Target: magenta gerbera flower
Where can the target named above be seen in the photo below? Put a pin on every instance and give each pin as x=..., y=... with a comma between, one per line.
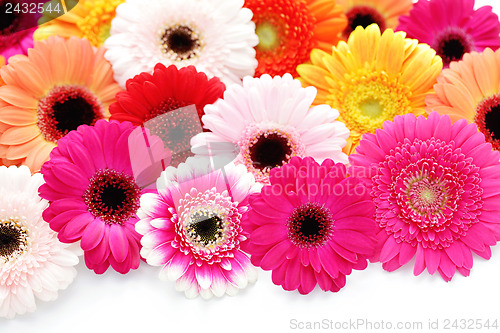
x=192, y=227
x=311, y=225
x=452, y=27
x=436, y=188
x=94, y=196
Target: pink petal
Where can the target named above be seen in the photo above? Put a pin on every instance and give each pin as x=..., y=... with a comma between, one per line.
x=118, y=243
x=203, y=275
x=292, y=276
x=432, y=259
x=406, y=252
x=307, y=280
x=419, y=261
x=390, y=249
x=276, y=255
x=93, y=235
x=161, y=254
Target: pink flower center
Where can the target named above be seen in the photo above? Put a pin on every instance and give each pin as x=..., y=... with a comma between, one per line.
x=363, y=16
x=13, y=239
x=451, y=44
x=264, y=149
x=310, y=225
x=208, y=225
x=487, y=119
x=180, y=42
x=112, y=196
x=429, y=193
x=65, y=108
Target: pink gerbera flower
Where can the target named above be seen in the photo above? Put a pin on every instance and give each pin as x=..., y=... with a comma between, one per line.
x=311, y=225
x=452, y=27
x=192, y=228
x=436, y=188
x=16, y=28
x=94, y=196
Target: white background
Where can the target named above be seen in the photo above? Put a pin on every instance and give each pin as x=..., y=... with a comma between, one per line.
x=140, y=302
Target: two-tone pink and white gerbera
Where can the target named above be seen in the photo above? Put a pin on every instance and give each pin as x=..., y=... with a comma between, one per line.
x=94, y=195
x=436, y=188
x=192, y=227
x=34, y=264
x=311, y=226
x=271, y=120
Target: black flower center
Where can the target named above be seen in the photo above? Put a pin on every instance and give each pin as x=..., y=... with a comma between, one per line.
x=270, y=150
x=205, y=227
x=65, y=108
x=451, y=45
x=487, y=119
x=310, y=225
x=363, y=16
x=7, y=20
x=112, y=196
x=182, y=41
x=12, y=239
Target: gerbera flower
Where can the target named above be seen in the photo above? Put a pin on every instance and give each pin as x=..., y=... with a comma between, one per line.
x=94, y=196
x=384, y=13
x=192, y=227
x=150, y=95
x=289, y=29
x=372, y=78
x=90, y=19
x=60, y=85
x=436, y=191
x=470, y=89
x=311, y=225
x=33, y=263
x=16, y=28
x=271, y=120
x=452, y=27
x=215, y=36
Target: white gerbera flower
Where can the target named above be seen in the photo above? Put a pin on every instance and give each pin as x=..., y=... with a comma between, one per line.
x=215, y=36
x=270, y=120
x=33, y=263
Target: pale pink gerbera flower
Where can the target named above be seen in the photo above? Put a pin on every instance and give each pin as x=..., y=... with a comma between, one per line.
x=436, y=188
x=271, y=120
x=94, y=194
x=192, y=228
x=311, y=226
x=33, y=263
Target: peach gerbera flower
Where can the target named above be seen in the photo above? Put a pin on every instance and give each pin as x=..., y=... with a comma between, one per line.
x=90, y=19
x=470, y=89
x=372, y=78
x=59, y=86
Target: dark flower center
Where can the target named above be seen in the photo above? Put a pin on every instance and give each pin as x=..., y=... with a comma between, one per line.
x=487, y=120
x=270, y=150
x=65, y=108
x=452, y=44
x=205, y=227
x=363, y=16
x=180, y=41
x=112, y=196
x=7, y=20
x=310, y=225
x=13, y=239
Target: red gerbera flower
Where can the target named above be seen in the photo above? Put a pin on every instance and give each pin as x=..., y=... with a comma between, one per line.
x=150, y=95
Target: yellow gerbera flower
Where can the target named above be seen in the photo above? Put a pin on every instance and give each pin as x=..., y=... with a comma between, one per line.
x=90, y=19
x=372, y=78
x=385, y=13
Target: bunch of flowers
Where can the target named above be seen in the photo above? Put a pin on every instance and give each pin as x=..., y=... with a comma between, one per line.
x=212, y=138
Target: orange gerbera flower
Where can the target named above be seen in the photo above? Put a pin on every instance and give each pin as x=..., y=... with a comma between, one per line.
x=470, y=89
x=385, y=13
x=372, y=78
x=289, y=29
x=59, y=86
x=89, y=19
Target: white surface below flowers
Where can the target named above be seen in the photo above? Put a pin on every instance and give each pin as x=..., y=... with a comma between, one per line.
x=140, y=302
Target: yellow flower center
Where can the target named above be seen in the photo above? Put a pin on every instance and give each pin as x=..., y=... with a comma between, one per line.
x=268, y=36
x=96, y=25
x=367, y=99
